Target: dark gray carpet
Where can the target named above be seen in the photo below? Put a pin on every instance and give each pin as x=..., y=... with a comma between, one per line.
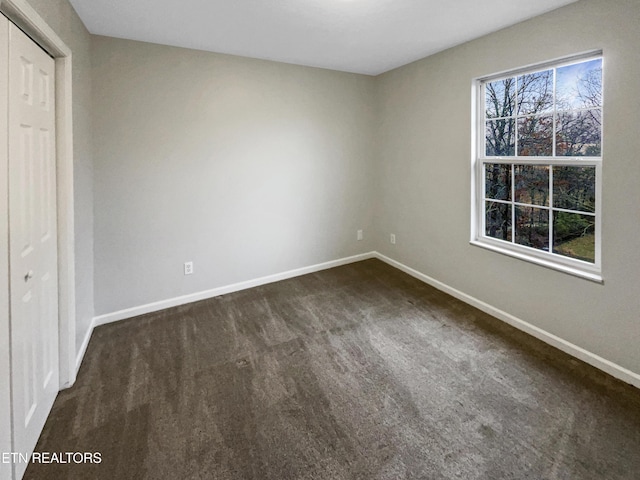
x=359, y=372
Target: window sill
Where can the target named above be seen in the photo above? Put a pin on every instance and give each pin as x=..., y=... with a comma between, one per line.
x=575, y=271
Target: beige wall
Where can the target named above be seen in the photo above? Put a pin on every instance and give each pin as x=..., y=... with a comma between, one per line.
x=424, y=171
x=245, y=167
x=62, y=18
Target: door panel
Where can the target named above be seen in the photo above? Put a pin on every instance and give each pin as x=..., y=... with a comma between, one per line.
x=5, y=371
x=32, y=240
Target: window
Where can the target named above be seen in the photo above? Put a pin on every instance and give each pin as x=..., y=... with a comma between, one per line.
x=538, y=165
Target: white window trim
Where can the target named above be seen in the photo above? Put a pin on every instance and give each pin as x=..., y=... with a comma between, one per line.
x=579, y=268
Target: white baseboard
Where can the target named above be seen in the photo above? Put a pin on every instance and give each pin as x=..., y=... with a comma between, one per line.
x=235, y=287
x=603, y=364
x=580, y=353
x=85, y=344
x=194, y=297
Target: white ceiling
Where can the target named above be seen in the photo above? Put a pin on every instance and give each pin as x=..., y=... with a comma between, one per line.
x=362, y=36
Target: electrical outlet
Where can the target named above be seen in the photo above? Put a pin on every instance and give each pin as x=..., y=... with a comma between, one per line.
x=360, y=235
x=392, y=238
x=188, y=268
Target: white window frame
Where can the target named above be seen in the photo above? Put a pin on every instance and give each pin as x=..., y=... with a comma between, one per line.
x=580, y=268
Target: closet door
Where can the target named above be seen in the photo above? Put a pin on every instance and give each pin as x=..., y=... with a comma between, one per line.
x=5, y=372
x=32, y=240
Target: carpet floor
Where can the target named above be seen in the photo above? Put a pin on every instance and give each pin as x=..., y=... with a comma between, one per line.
x=358, y=372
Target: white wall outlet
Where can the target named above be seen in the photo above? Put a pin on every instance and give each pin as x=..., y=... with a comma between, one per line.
x=188, y=268
x=359, y=235
x=392, y=238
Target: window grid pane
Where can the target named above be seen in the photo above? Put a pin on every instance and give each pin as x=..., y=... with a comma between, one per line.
x=555, y=111
x=529, y=206
x=574, y=235
x=532, y=227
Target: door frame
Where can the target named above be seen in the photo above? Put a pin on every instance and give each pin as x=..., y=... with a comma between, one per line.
x=25, y=17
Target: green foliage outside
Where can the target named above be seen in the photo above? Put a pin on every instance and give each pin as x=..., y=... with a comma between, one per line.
x=571, y=225
x=582, y=248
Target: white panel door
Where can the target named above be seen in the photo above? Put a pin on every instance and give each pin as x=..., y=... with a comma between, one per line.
x=32, y=240
x=5, y=370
